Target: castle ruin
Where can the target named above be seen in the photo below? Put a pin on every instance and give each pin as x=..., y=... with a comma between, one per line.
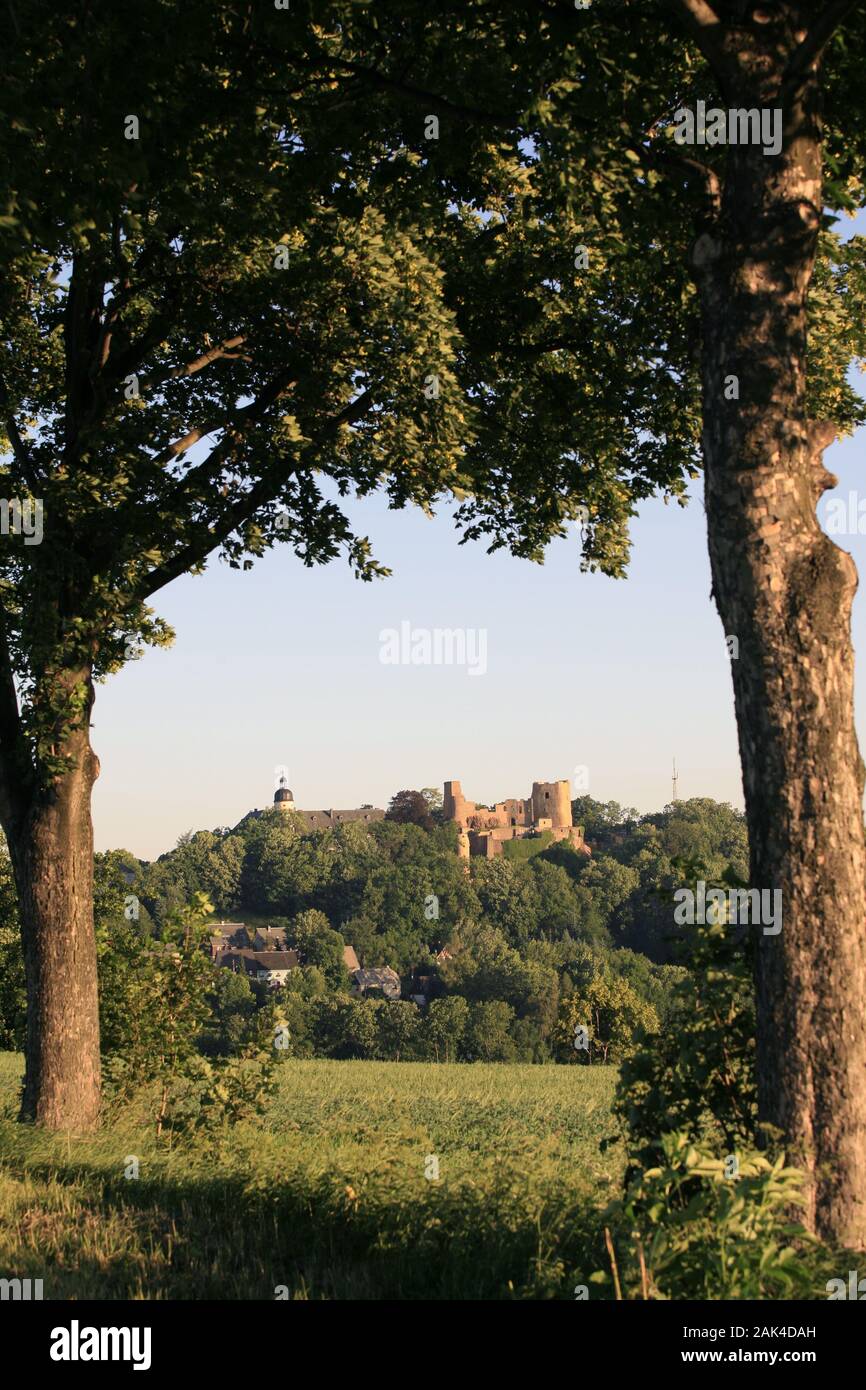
x=483, y=830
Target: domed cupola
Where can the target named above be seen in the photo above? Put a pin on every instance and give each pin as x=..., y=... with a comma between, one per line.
x=283, y=798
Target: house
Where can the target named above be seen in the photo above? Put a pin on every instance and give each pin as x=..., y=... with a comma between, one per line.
x=263, y=954
x=226, y=936
x=274, y=967
x=382, y=978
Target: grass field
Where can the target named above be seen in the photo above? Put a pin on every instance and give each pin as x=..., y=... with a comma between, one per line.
x=330, y=1198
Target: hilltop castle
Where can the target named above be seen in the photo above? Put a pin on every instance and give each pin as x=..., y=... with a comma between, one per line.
x=484, y=829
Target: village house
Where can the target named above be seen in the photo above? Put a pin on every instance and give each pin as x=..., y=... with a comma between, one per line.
x=382, y=979
x=262, y=953
x=273, y=967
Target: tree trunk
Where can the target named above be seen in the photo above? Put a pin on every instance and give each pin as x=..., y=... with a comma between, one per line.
x=52, y=855
x=785, y=591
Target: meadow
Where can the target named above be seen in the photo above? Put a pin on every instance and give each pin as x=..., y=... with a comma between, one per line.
x=335, y=1195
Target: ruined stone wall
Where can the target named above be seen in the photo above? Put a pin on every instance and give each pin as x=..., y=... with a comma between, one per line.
x=547, y=808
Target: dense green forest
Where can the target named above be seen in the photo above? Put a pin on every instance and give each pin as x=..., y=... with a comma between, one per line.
x=512, y=956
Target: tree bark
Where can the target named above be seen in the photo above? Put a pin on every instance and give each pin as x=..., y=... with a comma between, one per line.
x=51, y=848
x=785, y=590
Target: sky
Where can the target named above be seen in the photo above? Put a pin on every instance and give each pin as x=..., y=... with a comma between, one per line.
x=597, y=680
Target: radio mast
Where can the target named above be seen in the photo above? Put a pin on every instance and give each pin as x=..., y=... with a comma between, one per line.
x=675, y=780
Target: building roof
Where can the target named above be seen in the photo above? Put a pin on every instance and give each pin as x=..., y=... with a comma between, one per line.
x=283, y=794
x=326, y=820
x=275, y=960
x=350, y=959
x=251, y=961
x=381, y=977
x=271, y=936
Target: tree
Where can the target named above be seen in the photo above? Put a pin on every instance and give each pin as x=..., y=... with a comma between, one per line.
x=232, y=1004
x=410, y=808
x=487, y=1033
x=221, y=300
x=508, y=893
x=399, y=1025
x=696, y=1073
x=599, y=1022
x=223, y=873
x=558, y=907
x=643, y=271
x=609, y=884
x=319, y=945
x=155, y=1002
x=444, y=1025
x=345, y=1027
x=604, y=822
x=543, y=256
x=282, y=866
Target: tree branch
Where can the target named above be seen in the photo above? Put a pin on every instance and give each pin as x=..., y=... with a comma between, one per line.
x=19, y=447
x=234, y=424
x=240, y=511
x=816, y=40
x=382, y=82
x=669, y=159
x=22, y=456
x=222, y=350
x=82, y=331
x=705, y=27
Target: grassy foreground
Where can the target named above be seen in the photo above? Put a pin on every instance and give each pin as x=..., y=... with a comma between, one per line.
x=330, y=1198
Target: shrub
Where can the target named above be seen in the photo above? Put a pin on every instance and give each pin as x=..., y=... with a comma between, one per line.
x=704, y=1227
x=696, y=1075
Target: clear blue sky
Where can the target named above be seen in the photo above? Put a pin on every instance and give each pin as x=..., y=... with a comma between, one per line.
x=281, y=665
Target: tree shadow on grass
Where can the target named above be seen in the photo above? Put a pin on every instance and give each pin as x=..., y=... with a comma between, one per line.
x=88, y=1235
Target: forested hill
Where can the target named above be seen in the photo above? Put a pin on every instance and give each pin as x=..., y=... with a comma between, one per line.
x=398, y=892
x=522, y=933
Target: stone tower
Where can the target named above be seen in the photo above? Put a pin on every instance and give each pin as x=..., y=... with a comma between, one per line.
x=454, y=802
x=552, y=801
